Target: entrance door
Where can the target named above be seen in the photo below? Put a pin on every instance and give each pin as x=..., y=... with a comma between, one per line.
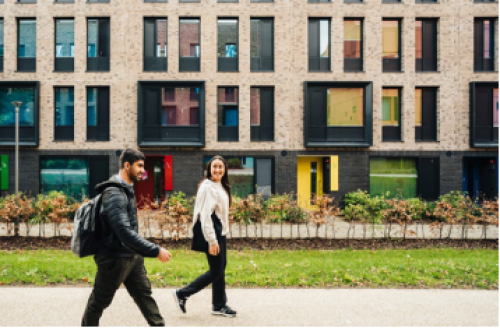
x=309, y=180
x=480, y=177
x=151, y=189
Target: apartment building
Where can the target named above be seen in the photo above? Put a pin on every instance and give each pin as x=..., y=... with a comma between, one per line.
x=300, y=96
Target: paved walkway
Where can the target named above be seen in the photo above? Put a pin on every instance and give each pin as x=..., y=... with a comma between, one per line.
x=59, y=306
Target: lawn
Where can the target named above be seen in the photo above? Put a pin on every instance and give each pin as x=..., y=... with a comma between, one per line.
x=426, y=268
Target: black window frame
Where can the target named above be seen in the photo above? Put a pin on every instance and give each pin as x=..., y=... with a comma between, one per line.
x=228, y=64
x=25, y=1
x=316, y=63
x=63, y=133
x=25, y=64
x=228, y=133
x=482, y=64
x=153, y=63
x=7, y=134
x=355, y=64
x=319, y=1
x=259, y=64
x=366, y=139
x=392, y=1
x=101, y=132
x=393, y=64
x=97, y=1
x=354, y=1
x=190, y=64
x=392, y=133
x=427, y=1
x=429, y=60
x=64, y=1
x=63, y=64
x=196, y=136
x=428, y=131
x=3, y=42
x=473, y=128
x=100, y=63
x=485, y=1
x=264, y=132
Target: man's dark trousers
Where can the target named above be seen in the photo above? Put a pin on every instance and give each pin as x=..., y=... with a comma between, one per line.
x=111, y=273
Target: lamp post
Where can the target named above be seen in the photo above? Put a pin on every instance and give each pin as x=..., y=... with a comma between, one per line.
x=17, y=104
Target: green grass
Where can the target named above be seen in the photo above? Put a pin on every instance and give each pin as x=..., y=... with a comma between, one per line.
x=439, y=268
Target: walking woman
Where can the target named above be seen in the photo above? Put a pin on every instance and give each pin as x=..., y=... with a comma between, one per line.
x=211, y=213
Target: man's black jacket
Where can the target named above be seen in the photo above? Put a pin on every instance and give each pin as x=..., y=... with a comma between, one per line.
x=118, y=216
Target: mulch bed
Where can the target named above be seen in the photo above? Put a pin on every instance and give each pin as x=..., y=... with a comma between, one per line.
x=64, y=243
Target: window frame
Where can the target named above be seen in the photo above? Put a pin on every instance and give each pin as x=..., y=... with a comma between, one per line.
x=474, y=143
x=256, y=130
x=352, y=65
x=231, y=133
x=67, y=134
x=228, y=64
x=310, y=44
x=160, y=64
x=94, y=134
x=25, y=64
x=480, y=63
x=189, y=64
x=2, y=22
x=252, y=59
x=99, y=63
x=423, y=65
x=393, y=64
x=391, y=130
x=427, y=123
x=63, y=64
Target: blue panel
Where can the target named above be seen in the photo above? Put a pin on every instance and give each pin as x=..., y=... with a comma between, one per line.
x=231, y=117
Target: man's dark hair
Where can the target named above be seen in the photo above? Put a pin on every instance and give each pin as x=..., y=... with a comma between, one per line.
x=130, y=155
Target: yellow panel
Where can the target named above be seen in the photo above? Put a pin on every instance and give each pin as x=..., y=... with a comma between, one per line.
x=334, y=173
x=304, y=180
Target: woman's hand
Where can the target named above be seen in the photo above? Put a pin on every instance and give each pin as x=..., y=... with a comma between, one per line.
x=214, y=249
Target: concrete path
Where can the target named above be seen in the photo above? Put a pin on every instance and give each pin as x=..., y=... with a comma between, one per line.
x=59, y=306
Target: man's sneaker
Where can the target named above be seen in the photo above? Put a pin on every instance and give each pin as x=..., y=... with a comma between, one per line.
x=224, y=311
x=181, y=302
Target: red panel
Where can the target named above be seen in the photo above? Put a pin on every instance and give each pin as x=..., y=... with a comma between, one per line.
x=168, y=173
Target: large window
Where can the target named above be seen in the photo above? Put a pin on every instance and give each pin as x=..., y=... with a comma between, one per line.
x=98, y=114
x=261, y=44
x=171, y=113
x=391, y=45
x=248, y=175
x=484, y=44
x=227, y=44
x=1, y=44
x=262, y=114
x=64, y=114
x=74, y=176
x=98, y=41
x=227, y=114
x=426, y=114
x=393, y=177
x=155, y=44
x=65, y=45
x=319, y=44
x=391, y=114
x=426, y=45
x=189, y=45
x=338, y=114
x=484, y=114
x=26, y=45
x=353, y=45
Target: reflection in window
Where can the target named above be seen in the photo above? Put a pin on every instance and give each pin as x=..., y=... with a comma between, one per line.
x=92, y=38
x=393, y=177
x=488, y=40
x=65, y=38
x=26, y=111
x=92, y=106
x=228, y=38
x=390, y=107
x=418, y=107
x=345, y=107
x=161, y=34
x=1, y=38
x=418, y=39
x=27, y=38
x=324, y=38
x=255, y=106
x=390, y=39
x=352, y=39
x=71, y=176
x=189, y=38
x=495, y=107
x=64, y=111
x=228, y=106
x=180, y=106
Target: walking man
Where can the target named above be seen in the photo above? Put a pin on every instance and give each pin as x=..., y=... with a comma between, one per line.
x=121, y=251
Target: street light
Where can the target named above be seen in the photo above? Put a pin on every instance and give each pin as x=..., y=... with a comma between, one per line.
x=17, y=104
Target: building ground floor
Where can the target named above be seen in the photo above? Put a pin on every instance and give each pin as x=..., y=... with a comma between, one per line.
x=304, y=173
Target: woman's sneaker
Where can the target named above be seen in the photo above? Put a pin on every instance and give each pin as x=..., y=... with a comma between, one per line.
x=180, y=302
x=224, y=311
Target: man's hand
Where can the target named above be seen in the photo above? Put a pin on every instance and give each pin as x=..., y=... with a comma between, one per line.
x=164, y=255
x=214, y=249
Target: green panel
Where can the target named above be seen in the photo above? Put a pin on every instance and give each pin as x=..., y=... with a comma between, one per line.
x=4, y=172
x=393, y=177
x=396, y=109
x=386, y=108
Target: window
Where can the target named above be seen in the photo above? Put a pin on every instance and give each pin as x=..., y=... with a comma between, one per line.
x=261, y=0
x=155, y=1
x=171, y=114
x=227, y=45
x=261, y=114
x=426, y=45
x=484, y=114
x=426, y=1
x=26, y=51
x=75, y=176
x=248, y=175
x=319, y=44
x=353, y=1
x=392, y=1
x=64, y=113
x=353, y=45
x=98, y=114
x=65, y=45
x=425, y=114
x=64, y=1
x=320, y=1
x=391, y=45
x=186, y=1
x=155, y=44
x=26, y=1
x=485, y=1
x=261, y=44
x=227, y=114
x=396, y=176
x=338, y=114
x=1, y=44
x=189, y=47
x=27, y=93
x=98, y=1
x=484, y=44
x=391, y=114
x=98, y=30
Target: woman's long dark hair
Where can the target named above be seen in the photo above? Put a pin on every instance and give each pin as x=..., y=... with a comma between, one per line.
x=225, y=177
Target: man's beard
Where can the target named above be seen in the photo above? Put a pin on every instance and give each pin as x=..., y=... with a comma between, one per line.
x=134, y=178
